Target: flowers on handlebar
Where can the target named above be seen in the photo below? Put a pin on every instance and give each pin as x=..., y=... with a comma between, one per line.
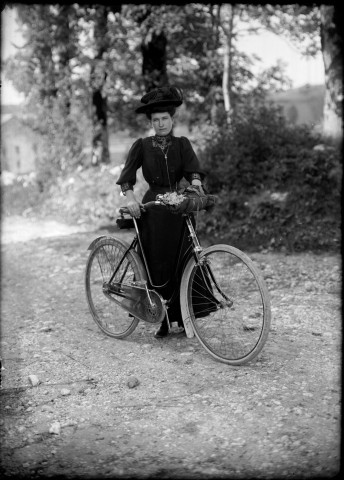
x=191, y=200
x=171, y=198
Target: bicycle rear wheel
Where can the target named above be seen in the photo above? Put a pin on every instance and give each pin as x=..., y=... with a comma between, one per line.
x=228, y=304
x=110, y=317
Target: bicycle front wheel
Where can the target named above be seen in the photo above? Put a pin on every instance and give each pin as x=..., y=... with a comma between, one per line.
x=228, y=304
x=110, y=317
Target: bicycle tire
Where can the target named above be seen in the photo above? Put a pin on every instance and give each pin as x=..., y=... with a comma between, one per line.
x=110, y=317
x=234, y=322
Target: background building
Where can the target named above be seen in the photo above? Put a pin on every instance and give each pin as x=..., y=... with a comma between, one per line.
x=20, y=145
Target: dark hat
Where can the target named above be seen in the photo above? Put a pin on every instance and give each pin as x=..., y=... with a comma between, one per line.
x=161, y=97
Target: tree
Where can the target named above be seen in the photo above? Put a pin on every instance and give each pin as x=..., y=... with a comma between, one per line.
x=312, y=28
x=194, y=60
x=115, y=53
x=332, y=48
x=208, y=63
x=36, y=57
x=154, y=71
x=100, y=142
x=65, y=50
x=153, y=43
x=42, y=69
x=227, y=25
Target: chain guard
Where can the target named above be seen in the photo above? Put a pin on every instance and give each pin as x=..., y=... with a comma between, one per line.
x=135, y=300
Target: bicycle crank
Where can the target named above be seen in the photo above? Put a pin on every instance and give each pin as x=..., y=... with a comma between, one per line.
x=138, y=300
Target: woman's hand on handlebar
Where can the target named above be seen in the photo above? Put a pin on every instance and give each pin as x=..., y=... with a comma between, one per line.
x=135, y=208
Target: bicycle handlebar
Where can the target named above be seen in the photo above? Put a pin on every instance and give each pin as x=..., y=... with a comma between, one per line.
x=143, y=207
x=196, y=204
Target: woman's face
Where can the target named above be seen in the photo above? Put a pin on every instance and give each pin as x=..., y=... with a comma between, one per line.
x=162, y=123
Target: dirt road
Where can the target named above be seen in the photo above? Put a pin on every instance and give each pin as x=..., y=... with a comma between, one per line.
x=189, y=416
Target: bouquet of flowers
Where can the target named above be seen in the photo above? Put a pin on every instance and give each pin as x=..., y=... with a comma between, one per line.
x=188, y=200
x=172, y=198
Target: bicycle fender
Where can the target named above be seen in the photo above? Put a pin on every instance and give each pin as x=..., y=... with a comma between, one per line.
x=92, y=244
x=190, y=262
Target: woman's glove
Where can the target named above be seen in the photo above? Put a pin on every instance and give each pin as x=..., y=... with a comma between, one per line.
x=195, y=199
x=198, y=189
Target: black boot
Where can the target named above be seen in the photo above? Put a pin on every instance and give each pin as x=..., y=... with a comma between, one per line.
x=163, y=330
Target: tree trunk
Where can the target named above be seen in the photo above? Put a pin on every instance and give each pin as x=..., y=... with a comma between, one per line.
x=332, y=49
x=154, y=63
x=47, y=87
x=65, y=50
x=227, y=79
x=100, y=139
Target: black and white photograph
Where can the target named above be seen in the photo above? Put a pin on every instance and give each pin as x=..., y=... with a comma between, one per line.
x=171, y=270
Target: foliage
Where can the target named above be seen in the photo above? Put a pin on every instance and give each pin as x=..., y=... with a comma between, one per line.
x=268, y=176
x=86, y=194
x=299, y=24
x=20, y=196
x=49, y=65
x=278, y=184
x=63, y=137
x=43, y=70
x=282, y=190
x=63, y=147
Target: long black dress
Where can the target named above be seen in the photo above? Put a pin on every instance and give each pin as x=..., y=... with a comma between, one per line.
x=163, y=234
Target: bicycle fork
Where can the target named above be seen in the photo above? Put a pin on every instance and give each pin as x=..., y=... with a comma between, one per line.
x=196, y=245
x=201, y=261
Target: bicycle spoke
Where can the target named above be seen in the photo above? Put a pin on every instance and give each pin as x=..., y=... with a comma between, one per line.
x=228, y=305
x=107, y=255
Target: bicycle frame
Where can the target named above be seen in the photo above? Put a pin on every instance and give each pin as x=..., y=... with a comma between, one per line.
x=194, y=249
x=197, y=249
x=221, y=291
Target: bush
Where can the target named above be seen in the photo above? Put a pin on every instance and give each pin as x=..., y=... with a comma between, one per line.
x=20, y=196
x=64, y=133
x=278, y=184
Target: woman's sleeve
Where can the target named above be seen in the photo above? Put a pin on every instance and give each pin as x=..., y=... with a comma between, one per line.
x=127, y=178
x=191, y=165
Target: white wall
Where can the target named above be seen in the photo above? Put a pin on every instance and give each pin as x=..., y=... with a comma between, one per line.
x=19, y=147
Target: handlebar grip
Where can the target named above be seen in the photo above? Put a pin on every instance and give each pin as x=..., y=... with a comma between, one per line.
x=124, y=210
x=143, y=207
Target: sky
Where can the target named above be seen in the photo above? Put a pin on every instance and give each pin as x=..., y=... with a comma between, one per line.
x=268, y=46
x=9, y=34
x=271, y=48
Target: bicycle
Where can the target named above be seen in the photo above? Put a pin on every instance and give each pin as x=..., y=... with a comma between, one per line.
x=223, y=297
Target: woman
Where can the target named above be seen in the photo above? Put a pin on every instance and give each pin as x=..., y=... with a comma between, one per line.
x=165, y=160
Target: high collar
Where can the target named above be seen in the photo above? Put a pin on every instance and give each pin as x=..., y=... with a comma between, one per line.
x=162, y=141
x=161, y=137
